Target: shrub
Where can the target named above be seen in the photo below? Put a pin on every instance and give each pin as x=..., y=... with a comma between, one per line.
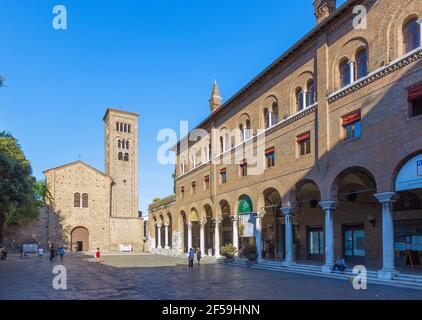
x=250, y=252
x=228, y=251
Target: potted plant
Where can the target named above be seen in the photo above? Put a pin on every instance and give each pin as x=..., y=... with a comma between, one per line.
x=250, y=253
x=228, y=251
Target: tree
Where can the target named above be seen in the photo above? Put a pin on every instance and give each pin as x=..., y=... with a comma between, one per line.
x=155, y=200
x=17, y=192
x=174, y=181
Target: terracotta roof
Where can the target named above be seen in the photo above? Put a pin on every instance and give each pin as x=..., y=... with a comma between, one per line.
x=75, y=163
x=121, y=112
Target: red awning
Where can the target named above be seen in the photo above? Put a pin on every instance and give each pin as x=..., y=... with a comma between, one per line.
x=303, y=137
x=415, y=92
x=269, y=151
x=351, y=117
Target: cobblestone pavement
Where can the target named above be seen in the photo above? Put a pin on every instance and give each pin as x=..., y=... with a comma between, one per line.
x=154, y=277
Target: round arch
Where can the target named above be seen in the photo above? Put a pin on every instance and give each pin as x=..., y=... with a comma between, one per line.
x=79, y=239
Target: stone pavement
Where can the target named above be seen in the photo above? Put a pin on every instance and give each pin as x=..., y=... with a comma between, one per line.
x=161, y=278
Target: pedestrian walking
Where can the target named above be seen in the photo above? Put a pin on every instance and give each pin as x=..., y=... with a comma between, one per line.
x=61, y=253
x=199, y=256
x=40, y=253
x=191, y=257
x=98, y=256
x=52, y=253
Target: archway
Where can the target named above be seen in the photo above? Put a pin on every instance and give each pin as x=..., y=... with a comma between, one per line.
x=196, y=228
x=408, y=212
x=356, y=217
x=80, y=239
x=308, y=223
x=246, y=226
x=184, y=222
x=226, y=224
x=209, y=229
x=170, y=229
x=272, y=231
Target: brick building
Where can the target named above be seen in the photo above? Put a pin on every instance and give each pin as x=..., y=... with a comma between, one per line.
x=319, y=156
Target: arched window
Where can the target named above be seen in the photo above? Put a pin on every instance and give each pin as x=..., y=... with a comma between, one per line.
x=120, y=155
x=85, y=200
x=125, y=129
x=119, y=143
x=117, y=126
x=311, y=93
x=361, y=63
x=248, y=130
x=77, y=200
x=221, y=145
x=127, y=145
x=412, y=35
x=126, y=157
x=242, y=132
x=344, y=73
x=266, y=118
x=299, y=99
x=128, y=128
x=121, y=127
x=275, y=113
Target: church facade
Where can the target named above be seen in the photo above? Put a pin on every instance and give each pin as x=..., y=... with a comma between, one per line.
x=94, y=209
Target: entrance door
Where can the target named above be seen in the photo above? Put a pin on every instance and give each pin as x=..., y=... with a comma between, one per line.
x=79, y=246
x=316, y=244
x=80, y=239
x=354, y=244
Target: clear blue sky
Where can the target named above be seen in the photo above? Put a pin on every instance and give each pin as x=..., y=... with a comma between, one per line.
x=156, y=57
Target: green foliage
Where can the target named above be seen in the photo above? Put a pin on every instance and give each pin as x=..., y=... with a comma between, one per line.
x=174, y=181
x=228, y=251
x=250, y=252
x=155, y=200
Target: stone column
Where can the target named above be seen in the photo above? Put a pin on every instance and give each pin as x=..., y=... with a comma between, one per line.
x=166, y=235
x=235, y=232
x=258, y=233
x=270, y=119
x=217, y=237
x=352, y=71
x=288, y=235
x=279, y=239
x=388, y=267
x=159, y=236
x=202, y=237
x=305, y=99
x=420, y=26
x=328, y=207
x=189, y=235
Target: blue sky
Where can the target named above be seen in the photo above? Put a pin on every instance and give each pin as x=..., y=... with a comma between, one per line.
x=157, y=57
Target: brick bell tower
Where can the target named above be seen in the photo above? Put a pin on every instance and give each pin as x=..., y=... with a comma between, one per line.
x=121, y=161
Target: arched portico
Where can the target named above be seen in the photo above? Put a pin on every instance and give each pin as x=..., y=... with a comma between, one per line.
x=79, y=239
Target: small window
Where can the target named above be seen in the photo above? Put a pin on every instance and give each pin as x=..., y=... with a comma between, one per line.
x=117, y=126
x=77, y=200
x=127, y=145
x=85, y=200
x=182, y=191
x=128, y=128
x=411, y=35
x=207, y=183
x=311, y=93
x=243, y=168
x=119, y=143
x=223, y=176
x=121, y=127
x=304, y=142
x=193, y=187
x=125, y=129
x=415, y=100
x=270, y=157
x=352, y=125
x=361, y=63
x=126, y=158
x=120, y=156
x=345, y=73
x=299, y=99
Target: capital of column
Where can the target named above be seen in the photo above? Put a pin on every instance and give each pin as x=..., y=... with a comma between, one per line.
x=328, y=205
x=218, y=220
x=202, y=222
x=189, y=224
x=386, y=197
x=235, y=217
x=351, y=62
x=287, y=211
x=166, y=225
x=159, y=225
x=419, y=21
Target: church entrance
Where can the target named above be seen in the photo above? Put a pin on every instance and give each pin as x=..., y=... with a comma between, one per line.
x=79, y=239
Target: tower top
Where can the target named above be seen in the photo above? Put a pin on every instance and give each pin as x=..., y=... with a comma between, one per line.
x=215, y=100
x=110, y=110
x=323, y=9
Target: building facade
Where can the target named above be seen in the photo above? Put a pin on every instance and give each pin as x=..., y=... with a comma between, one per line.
x=96, y=209
x=320, y=155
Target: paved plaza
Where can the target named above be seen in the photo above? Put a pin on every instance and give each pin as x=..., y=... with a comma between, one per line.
x=147, y=277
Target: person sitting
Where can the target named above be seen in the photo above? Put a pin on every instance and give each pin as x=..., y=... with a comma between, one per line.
x=340, y=265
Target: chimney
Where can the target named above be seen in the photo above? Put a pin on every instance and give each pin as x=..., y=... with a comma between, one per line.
x=323, y=9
